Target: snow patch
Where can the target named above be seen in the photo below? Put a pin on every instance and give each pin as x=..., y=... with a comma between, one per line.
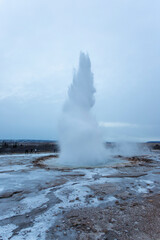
x=34, y=202
x=6, y=231
x=141, y=190
x=111, y=199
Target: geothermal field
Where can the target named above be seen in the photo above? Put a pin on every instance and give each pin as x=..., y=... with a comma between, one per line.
x=81, y=187
x=42, y=201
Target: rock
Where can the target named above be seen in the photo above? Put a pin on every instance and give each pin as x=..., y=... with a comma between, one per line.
x=44, y=206
x=136, y=223
x=90, y=196
x=123, y=198
x=134, y=204
x=122, y=208
x=101, y=198
x=111, y=235
x=112, y=220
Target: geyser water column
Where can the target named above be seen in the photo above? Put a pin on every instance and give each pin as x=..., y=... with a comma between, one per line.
x=81, y=143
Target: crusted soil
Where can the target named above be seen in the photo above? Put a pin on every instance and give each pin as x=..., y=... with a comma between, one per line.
x=116, y=203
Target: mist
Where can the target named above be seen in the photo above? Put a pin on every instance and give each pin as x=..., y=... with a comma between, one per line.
x=80, y=137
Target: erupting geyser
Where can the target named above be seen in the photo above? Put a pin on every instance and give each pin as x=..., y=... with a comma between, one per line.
x=80, y=138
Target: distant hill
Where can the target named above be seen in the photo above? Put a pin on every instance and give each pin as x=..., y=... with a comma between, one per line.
x=28, y=146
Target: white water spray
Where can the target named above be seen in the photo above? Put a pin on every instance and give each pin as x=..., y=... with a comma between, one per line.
x=81, y=143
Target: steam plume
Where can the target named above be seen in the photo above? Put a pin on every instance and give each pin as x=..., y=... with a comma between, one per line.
x=80, y=138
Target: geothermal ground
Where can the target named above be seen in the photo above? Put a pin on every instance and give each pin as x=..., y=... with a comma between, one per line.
x=120, y=202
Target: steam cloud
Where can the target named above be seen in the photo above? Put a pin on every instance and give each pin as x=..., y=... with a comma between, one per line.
x=80, y=138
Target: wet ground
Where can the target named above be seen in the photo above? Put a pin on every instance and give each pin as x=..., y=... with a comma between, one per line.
x=119, y=202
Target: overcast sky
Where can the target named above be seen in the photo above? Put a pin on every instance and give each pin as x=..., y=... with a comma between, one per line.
x=40, y=42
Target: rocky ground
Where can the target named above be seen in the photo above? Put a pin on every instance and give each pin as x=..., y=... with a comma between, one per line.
x=119, y=202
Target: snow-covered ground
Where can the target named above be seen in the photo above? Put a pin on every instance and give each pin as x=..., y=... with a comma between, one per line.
x=32, y=199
